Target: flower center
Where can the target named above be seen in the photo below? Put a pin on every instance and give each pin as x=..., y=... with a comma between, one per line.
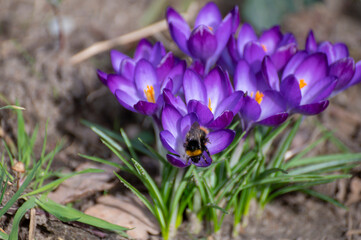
x=264, y=47
x=149, y=94
x=210, y=28
x=302, y=83
x=209, y=104
x=259, y=96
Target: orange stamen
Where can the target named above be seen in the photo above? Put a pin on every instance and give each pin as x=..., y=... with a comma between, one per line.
x=149, y=94
x=264, y=47
x=302, y=83
x=210, y=28
x=209, y=104
x=259, y=97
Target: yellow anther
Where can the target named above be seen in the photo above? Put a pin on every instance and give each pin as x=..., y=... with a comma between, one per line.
x=259, y=97
x=210, y=28
x=149, y=94
x=302, y=83
x=209, y=104
x=264, y=47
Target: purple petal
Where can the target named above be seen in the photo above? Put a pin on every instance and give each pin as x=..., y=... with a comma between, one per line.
x=311, y=44
x=272, y=103
x=203, y=113
x=270, y=74
x=209, y=16
x=283, y=54
x=233, y=103
x=293, y=63
x=204, y=162
x=126, y=100
x=165, y=66
x=219, y=140
x=177, y=161
x=320, y=91
x=250, y=109
x=244, y=78
x=116, y=58
x=343, y=69
x=193, y=87
x=198, y=67
x=170, y=118
x=270, y=39
x=179, y=29
x=290, y=90
x=176, y=74
x=177, y=102
x=274, y=120
x=312, y=109
x=127, y=67
x=144, y=76
x=340, y=51
x=222, y=121
x=202, y=43
x=143, y=50
x=102, y=76
x=254, y=54
x=312, y=69
x=157, y=53
x=223, y=33
x=146, y=108
x=236, y=19
x=246, y=34
x=118, y=82
x=168, y=141
x=218, y=86
x=356, y=77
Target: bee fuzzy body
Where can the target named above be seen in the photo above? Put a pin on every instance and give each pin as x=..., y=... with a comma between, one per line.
x=195, y=143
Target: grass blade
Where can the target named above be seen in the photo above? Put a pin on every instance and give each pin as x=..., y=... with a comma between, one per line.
x=67, y=214
x=19, y=215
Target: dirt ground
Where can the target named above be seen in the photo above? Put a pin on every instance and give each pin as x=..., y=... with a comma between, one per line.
x=35, y=70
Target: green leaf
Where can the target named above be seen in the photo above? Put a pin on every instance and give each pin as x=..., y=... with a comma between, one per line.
x=155, y=153
x=106, y=162
x=4, y=236
x=269, y=172
x=13, y=107
x=212, y=205
x=324, y=197
x=19, y=215
x=322, y=159
x=67, y=214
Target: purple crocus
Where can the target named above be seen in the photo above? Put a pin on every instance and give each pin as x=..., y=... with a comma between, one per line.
x=125, y=65
x=212, y=99
x=306, y=84
x=138, y=82
x=253, y=49
x=209, y=36
x=340, y=64
x=176, y=138
x=262, y=103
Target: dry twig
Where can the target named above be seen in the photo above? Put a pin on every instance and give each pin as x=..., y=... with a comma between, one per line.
x=134, y=36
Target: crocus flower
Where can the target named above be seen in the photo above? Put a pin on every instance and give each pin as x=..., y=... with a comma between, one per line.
x=262, y=103
x=340, y=64
x=209, y=36
x=142, y=93
x=306, y=84
x=125, y=65
x=212, y=99
x=253, y=49
x=174, y=138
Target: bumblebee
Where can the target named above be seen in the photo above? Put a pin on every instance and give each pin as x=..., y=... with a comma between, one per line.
x=195, y=143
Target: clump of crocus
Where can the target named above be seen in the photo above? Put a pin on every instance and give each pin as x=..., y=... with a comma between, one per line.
x=194, y=105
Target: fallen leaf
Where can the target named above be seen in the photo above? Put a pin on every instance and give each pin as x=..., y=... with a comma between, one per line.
x=127, y=212
x=83, y=185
